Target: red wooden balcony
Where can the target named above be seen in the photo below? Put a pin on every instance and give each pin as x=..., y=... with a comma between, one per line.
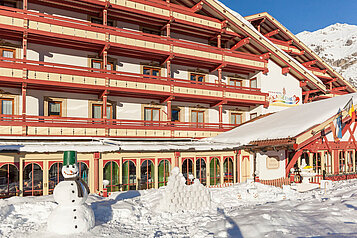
x=17, y=125
x=67, y=78
x=64, y=32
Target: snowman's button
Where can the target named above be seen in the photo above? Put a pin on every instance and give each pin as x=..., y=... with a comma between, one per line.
x=73, y=201
x=75, y=217
x=74, y=210
x=72, y=184
x=72, y=191
x=75, y=226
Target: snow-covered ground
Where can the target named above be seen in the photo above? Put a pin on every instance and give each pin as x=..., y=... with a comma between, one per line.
x=244, y=210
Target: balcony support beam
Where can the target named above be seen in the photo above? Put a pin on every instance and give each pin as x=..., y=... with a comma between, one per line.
x=308, y=64
x=272, y=33
x=218, y=68
x=220, y=108
x=241, y=43
x=285, y=70
x=23, y=97
x=169, y=112
x=197, y=7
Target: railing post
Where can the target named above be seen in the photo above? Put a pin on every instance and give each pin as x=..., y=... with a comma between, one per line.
x=220, y=115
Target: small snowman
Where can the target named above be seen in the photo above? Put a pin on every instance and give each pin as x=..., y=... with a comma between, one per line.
x=72, y=215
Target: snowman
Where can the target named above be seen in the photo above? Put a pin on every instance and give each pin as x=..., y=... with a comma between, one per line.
x=72, y=215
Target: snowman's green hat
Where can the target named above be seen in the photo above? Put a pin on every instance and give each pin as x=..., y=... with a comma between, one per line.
x=69, y=158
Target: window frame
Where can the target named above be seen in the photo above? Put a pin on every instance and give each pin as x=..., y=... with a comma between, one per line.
x=235, y=80
x=100, y=20
x=196, y=75
x=253, y=80
x=2, y=49
x=101, y=110
x=151, y=31
x=101, y=64
x=235, y=114
x=9, y=1
x=151, y=69
x=13, y=105
x=152, y=109
x=198, y=111
x=253, y=115
x=56, y=102
x=179, y=114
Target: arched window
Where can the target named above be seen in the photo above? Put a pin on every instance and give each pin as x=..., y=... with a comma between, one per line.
x=83, y=171
x=55, y=176
x=9, y=181
x=228, y=170
x=33, y=180
x=215, y=174
x=187, y=170
x=147, y=172
x=201, y=170
x=164, y=172
x=129, y=175
x=111, y=173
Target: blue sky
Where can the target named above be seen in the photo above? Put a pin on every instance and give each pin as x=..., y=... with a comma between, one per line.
x=300, y=15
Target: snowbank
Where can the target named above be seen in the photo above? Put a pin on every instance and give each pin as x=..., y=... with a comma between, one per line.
x=243, y=210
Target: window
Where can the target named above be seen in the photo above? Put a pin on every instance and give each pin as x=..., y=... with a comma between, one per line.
x=151, y=31
x=151, y=71
x=7, y=106
x=197, y=116
x=100, y=21
x=7, y=3
x=97, y=111
x=328, y=163
x=55, y=108
x=236, y=82
x=175, y=115
x=151, y=114
x=342, y=162
x=98, y=64
x=253, y=83
x=7, y=53
x=253, y=115
x=236, y=118
x=197, y=77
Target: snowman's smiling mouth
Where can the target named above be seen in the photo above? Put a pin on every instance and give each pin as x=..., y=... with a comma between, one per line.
x=72, y=173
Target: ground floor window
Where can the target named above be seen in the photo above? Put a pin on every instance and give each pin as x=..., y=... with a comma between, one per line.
x=342, y=162
x=215, y=172
x=129, y=175
x=111, y=174
x=350, y=161
x=228, y=170
x=201, y=170
x=33, y=180
x=9, y=180
x=316, y=161
x=328, y=163
x=147, y=171
x=187, y=170
x=54, y=176
x=164, y=172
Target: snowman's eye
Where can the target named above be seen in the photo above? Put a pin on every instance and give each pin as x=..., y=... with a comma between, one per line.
x=72, y=166
x=67, y=166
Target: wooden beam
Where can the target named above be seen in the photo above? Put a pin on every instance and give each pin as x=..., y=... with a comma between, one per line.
x=311, y=91
x=303, y=84
x=169, y=98
x=272, y=33
x=309, y=63
x=339, y=88
x=285, y=70
x=219, y=103
x=265, y=56
x=293, y=162
x=241, y=43
x=197, y=7
x=219, y=67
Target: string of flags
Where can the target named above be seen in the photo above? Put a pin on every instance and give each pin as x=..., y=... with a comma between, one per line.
x=339, y=126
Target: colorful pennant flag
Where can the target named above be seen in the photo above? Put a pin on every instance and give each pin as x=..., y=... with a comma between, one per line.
x=350, y=109
x=339, y=124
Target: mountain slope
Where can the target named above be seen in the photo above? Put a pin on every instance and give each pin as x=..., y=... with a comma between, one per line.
x=337, y=45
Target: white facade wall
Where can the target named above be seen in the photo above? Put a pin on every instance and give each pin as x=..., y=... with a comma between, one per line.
x=273, y=169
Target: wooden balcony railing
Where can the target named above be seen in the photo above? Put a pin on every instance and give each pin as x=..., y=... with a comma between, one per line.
x=18, y=125
x=44, y=73
x=40, y=24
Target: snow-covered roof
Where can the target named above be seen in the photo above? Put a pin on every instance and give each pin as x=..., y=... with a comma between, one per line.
x=285, y=124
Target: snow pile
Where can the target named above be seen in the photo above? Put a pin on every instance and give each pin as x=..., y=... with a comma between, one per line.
x=286, y=123
x=243, y=210
x=180, y=197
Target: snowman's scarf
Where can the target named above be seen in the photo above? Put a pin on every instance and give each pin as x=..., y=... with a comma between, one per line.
x=79, y=181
